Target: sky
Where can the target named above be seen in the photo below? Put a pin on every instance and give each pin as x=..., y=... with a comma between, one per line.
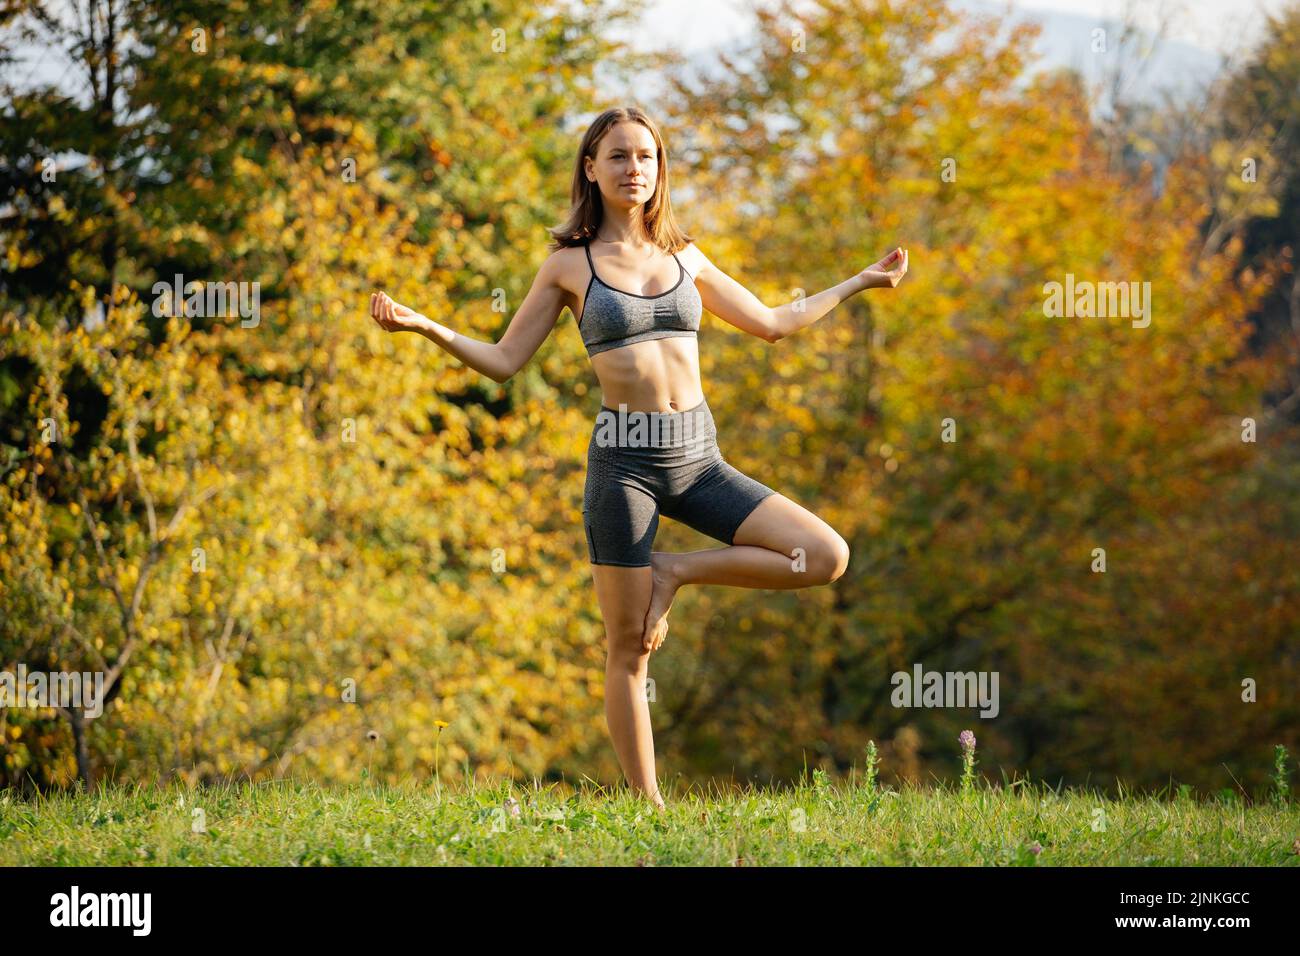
x=1209, y=24
x=1201, y=40
x=1213, y=26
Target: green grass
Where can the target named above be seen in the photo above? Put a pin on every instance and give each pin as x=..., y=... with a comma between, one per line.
x=820, y=823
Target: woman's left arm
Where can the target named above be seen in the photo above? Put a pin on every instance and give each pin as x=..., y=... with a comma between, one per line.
x=733, y=303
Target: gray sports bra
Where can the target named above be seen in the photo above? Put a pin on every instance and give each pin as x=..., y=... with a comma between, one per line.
x=612, y=318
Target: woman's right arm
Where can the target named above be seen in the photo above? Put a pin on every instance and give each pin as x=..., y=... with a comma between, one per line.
x=531, y=324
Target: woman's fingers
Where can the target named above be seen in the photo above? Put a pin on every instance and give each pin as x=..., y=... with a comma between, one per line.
x=886, y=263
x=892, y=267
x=900, y=269
x=381, y=309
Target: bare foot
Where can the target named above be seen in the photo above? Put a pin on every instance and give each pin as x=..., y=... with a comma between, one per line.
x=661, y=599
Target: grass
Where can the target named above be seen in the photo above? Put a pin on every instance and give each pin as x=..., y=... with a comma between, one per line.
x=817, y=823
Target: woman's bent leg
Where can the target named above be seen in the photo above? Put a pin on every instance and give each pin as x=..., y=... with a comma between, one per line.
x=779, y=546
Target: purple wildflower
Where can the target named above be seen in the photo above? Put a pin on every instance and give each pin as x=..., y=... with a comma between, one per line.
x=967, y=740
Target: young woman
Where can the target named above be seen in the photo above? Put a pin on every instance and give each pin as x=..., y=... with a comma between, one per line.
x=615, y=265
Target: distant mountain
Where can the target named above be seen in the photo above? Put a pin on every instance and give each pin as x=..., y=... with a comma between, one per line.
x=1177, y=68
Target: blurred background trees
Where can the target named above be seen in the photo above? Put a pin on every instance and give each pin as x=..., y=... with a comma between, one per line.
x=295, y=542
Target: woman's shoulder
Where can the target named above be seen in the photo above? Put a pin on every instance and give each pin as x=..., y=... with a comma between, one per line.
x=566, y=267
x=692, y=258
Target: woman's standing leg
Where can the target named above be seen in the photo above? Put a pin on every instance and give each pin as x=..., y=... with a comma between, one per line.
x=624, y=596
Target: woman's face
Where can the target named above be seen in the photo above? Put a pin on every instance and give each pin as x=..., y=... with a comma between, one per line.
x=626, y=165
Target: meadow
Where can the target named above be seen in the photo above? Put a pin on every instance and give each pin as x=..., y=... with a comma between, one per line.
x=815, y=823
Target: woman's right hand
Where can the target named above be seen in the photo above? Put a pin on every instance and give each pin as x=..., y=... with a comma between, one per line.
x=393, y=316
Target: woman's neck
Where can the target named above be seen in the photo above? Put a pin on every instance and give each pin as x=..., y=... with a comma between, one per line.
x=624, y=227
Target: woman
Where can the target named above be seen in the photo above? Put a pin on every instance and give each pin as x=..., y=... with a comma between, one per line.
x=615, y=265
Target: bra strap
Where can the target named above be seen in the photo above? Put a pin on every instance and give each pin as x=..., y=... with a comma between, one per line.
x=590, y=265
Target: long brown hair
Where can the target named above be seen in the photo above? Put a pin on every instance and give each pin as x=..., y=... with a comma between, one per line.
x=586, y=209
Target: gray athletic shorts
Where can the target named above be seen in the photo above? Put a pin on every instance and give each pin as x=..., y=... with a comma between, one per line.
x=644, y=464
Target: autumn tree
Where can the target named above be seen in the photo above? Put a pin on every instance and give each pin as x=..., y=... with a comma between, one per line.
x=981, y=452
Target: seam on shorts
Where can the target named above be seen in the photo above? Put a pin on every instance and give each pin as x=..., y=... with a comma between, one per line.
x=591, y=541
x=621, y=564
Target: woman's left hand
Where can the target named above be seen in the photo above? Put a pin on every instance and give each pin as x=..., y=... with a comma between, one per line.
x=886, y=273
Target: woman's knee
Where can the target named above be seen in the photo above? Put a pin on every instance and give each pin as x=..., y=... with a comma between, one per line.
x=828, y=558
x=626, y=649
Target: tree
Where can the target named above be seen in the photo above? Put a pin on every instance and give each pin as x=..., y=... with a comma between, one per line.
x=859, y=126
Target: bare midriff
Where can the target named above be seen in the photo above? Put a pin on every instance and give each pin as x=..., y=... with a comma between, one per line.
x=662, y=375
